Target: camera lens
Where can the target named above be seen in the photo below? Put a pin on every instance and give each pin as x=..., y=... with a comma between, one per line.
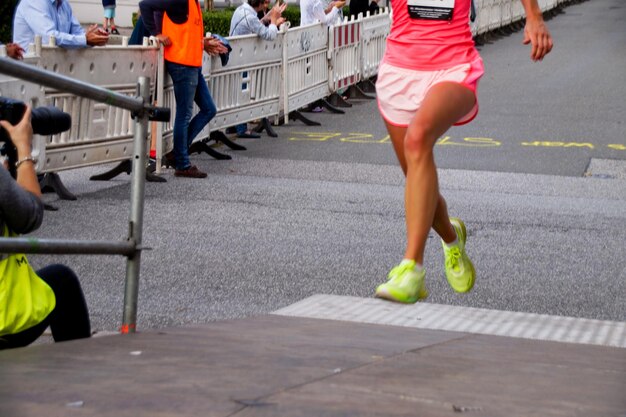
x=50, y=120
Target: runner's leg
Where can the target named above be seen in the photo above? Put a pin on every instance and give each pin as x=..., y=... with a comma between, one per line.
x=445, y=104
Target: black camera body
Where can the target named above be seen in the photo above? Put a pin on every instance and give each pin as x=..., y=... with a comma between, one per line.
x=45, y=121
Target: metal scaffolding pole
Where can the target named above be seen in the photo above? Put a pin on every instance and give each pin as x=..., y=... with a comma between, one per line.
x=142, y=112
x=131, y=292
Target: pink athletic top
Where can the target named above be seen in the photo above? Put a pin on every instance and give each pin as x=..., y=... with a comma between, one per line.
x=429, y=45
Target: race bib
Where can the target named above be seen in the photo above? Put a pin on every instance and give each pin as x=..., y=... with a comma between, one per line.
x=431, y=9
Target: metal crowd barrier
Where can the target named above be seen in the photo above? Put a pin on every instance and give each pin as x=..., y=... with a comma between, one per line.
x=374, y=33
x=100, y=132
x=345, y=49
x=246, y=89
x=131, y=247
x=306, y=67
x=249, y=87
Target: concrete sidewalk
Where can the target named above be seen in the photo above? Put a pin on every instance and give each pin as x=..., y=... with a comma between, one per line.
x=275, y=365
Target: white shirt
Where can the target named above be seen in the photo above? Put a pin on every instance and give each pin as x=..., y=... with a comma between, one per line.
x=47, y=18
x=246, y=22
x=312, y=11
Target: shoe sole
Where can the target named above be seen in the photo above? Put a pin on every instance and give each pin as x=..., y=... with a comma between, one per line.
x=392, y=295
x=470, y=284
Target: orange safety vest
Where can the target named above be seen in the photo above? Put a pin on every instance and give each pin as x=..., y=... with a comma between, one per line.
x=186, y=47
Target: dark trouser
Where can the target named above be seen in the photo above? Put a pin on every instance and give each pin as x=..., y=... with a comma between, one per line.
x=189, y=87
x=70, y=318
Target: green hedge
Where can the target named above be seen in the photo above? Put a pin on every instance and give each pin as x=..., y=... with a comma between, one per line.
x=7, y=9
x=292, y=15
x=217, y=21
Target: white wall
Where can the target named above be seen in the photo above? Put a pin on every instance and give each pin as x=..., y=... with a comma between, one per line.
x=90, y=11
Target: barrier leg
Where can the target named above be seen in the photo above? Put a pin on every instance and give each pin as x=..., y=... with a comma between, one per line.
x=296, y=115
x=219, y=136
x=51, y=182
x=200, y=146
x=131, y=291
x=325, y=104
x=355, y=92
x=122, y=167
x=265, y=124
x=338, y=101
x=125, y=167
x=367, y=86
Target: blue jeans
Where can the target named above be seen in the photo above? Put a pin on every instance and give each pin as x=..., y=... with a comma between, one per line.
x=189, y=86
x=241, y=129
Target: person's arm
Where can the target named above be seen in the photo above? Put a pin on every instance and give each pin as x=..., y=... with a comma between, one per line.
x=267, y=33
x=536, y=32
x=20, y=205
x=35, y=18
x=328, y=15
x=152, y=12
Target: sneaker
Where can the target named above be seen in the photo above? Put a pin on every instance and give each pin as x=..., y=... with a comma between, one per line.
x=114, y=31
x=404, y=284
x=459, y=269
x=191, y=172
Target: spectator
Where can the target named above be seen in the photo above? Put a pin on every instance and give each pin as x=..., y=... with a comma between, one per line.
x=14, y=50
x=245, y=21
x=31, y=301
x=263, y=14
x=53, y=18
x=363, y=6
x=109, y=16
x=177, y=24
x=314, y=10
x=139, y=32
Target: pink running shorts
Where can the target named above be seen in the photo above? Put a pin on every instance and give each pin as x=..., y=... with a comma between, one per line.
x=400, y=91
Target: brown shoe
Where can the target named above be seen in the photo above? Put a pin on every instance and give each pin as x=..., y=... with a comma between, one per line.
x=191, y=172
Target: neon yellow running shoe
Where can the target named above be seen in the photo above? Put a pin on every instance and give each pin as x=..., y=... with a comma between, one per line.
x=404, y=284
x=459, y=269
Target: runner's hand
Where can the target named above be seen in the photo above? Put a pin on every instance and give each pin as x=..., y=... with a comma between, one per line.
x=537, y=34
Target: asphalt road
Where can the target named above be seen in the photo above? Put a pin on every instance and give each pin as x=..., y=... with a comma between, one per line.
x=320, y=210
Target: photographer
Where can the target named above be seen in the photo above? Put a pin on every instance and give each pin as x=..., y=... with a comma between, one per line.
x=31, y=301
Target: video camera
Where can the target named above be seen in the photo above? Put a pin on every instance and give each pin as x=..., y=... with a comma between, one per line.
x=45, y=121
